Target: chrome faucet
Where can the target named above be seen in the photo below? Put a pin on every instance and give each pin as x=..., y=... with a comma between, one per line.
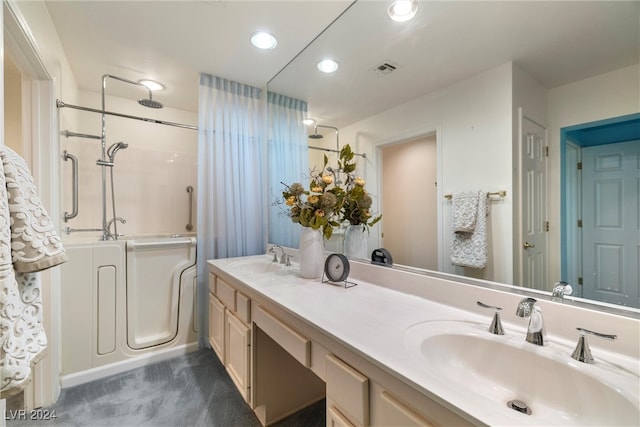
x=560, y=289
x=496, y=324
x=535, y=331
x=582, y=352
x=113, y=221
x=285, y=258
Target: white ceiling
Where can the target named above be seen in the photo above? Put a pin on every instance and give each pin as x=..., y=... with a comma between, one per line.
x=173, y=41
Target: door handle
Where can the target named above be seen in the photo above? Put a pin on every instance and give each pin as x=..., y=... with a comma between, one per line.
x=528, y=245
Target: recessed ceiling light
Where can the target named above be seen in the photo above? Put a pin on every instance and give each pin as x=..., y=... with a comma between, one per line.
x=327, y=66
x=308, y=121
x=263, y=40
x=151, y=85
x=403, y=10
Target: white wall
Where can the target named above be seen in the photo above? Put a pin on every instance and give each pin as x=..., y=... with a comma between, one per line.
x=473, y=121
x=612, y=94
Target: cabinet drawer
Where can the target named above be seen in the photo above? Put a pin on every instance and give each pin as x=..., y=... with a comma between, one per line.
x=243, y=307
x=349, y=389
x=226, y=294
x=295, y=344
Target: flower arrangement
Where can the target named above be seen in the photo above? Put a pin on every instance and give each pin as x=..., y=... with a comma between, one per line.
x=326, y=204
x=356, y=205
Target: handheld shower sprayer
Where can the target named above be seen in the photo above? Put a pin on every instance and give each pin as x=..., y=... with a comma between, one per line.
x=113, y=149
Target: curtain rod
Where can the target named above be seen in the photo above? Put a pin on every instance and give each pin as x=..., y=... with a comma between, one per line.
x=364, y=155
x=61, y=104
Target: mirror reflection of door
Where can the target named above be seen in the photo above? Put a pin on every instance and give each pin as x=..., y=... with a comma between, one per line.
x=409, y=202
x=534, y=205
x=610, y=222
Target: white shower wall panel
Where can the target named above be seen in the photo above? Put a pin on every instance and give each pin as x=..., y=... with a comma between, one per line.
x=93, y=315
x=150, y=176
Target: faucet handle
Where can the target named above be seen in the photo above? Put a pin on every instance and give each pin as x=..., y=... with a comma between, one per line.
x=582, y=353
x=496, y=324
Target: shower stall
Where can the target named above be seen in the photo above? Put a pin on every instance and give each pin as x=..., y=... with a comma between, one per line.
x=129, y=288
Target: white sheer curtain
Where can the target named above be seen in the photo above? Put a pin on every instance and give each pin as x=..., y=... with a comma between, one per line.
x=231, y=178
x=288, y=161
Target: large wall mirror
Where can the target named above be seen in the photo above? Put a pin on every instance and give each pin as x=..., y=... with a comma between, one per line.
x=467, y=96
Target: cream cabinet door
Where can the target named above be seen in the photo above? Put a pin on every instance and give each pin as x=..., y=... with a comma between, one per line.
x=348, y=389
x=216, y=326
x=393, y=412
x=336, y=419
x=238, y=343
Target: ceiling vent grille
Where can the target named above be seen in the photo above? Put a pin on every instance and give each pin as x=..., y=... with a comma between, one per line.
x=386, y=68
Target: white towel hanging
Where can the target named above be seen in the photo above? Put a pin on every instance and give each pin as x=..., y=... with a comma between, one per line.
x=469, y=249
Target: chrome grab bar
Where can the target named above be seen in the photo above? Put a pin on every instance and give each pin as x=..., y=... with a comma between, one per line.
x=69, y=134
x=69, y=230
x=74, y=162
x=189, y=226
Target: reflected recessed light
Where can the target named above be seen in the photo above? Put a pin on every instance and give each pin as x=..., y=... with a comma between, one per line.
x=327, y=66
x=151, y=85
x=263, y=40
x=403, y=10
x=308, y=122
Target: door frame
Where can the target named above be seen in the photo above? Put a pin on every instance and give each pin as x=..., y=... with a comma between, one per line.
x=406, y=136
x=578, y=135
x=41, y=148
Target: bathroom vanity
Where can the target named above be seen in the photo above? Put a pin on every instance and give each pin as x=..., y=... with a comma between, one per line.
x=401, y=348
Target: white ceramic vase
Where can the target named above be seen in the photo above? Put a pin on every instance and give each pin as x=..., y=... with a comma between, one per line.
x=356, y=242
x=311, y=253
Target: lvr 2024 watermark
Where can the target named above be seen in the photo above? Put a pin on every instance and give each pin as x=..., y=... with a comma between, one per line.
x=30, y=414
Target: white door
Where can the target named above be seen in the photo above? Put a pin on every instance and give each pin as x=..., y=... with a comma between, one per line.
x=611, y=222
x=534, y=205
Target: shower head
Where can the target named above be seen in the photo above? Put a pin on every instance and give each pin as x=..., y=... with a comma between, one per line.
x=113, y=149
x=150, y=103
x=315, y=135
x=145, y=102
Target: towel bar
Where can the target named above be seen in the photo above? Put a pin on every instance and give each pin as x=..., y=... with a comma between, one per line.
x=502, y=193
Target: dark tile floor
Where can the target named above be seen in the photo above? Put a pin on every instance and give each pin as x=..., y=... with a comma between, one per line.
x=190, y=390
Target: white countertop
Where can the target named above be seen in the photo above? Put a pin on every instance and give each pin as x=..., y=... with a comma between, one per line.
x=372, y=321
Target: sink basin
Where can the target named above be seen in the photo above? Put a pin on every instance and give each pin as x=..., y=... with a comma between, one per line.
x=256, y=266
x=491, y=371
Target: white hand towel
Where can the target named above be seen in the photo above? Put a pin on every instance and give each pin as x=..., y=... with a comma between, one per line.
x=470, y=249
x=464, y=207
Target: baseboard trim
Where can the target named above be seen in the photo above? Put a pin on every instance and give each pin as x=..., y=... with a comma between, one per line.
x=93, y=374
